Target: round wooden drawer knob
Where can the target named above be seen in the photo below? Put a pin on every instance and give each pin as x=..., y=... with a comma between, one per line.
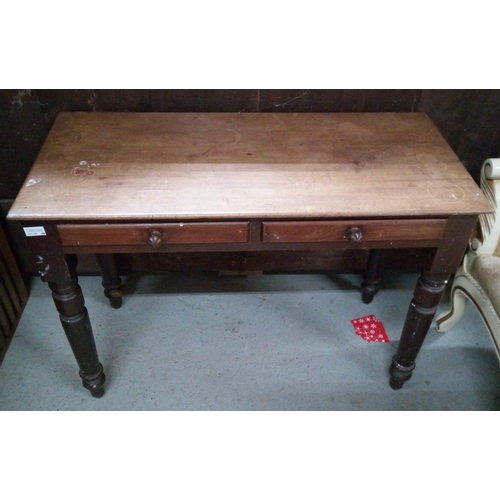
x=154, y=238
x=354, y=234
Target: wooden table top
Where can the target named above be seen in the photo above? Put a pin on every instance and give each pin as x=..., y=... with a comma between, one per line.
x=159, y=166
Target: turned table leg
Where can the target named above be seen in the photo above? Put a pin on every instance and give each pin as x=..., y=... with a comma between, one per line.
x=110, y=280
x=69, y=301
x=373, y=275
x=426, y=297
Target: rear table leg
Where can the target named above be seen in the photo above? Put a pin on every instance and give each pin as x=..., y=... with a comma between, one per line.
x=373, y=275
x=110, y=280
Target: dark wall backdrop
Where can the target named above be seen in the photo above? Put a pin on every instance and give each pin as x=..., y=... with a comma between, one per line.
x=468, y=119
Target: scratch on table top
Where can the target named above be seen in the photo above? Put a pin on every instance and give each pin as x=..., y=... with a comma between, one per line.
x=276, y=122
x=452, y=192
x=32, y=182
x=237, y=136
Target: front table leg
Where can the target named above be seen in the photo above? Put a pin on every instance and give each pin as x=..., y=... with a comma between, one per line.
x=70, y=303
x=426, y=297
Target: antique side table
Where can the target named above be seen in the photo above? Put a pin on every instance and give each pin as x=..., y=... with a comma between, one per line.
x=109, y=183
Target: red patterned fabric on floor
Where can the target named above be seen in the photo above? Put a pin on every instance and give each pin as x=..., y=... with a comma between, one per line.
x=370, y=328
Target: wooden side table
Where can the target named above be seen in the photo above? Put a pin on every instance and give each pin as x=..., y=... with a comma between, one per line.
x=108, y=183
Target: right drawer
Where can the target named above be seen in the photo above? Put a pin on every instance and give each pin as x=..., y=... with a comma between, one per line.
x=352, y=230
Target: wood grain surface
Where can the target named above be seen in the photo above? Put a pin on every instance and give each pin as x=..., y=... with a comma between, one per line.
x=164, y=166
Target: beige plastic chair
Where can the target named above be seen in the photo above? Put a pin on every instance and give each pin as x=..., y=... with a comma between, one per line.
x=478, y=278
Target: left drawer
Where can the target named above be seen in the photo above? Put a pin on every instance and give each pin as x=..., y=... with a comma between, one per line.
x=153, y=235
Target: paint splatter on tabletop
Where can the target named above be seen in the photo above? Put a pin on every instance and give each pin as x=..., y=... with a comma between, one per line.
x=84, y=168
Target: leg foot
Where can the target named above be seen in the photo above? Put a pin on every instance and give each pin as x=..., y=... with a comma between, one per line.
x=396, y=384
x=367, y=293
x=115, y=301
x=399, y=374
x=97, y=393
x=95, y=384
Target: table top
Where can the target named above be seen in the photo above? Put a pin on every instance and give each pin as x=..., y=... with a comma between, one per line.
x=164, y=166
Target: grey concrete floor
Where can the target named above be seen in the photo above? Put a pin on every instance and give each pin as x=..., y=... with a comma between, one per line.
x=197, y=341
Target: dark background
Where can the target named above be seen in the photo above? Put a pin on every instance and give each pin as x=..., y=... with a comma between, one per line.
x=468, y=119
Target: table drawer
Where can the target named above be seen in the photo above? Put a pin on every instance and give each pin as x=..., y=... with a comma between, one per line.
x=153, y=235
x=354, y=231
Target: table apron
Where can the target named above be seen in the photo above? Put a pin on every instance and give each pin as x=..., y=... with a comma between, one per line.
x=253, y=235
x=251, y=247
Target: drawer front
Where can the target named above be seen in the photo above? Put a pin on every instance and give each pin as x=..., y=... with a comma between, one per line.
x=153, y=235
x=354, y=231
